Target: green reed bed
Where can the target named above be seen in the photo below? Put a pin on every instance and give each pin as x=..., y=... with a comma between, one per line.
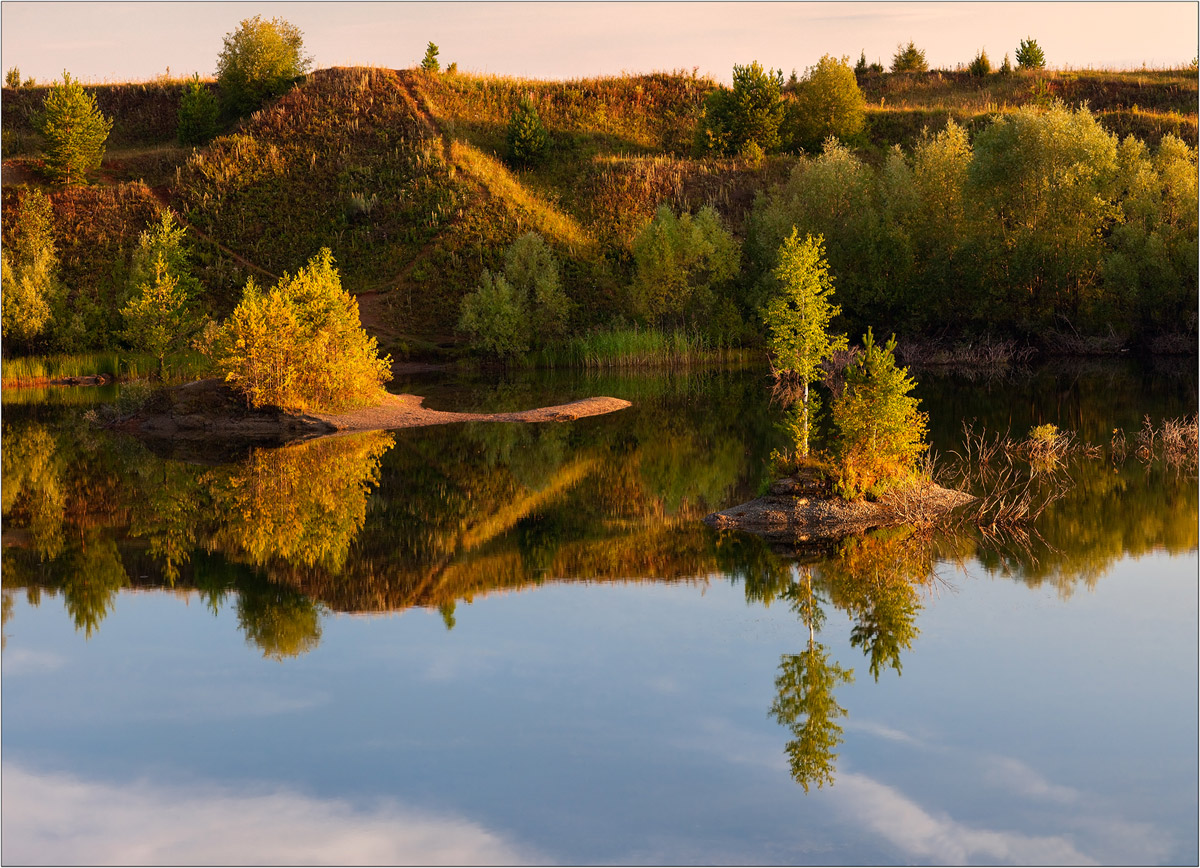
x=636, y=348
x=119, y=365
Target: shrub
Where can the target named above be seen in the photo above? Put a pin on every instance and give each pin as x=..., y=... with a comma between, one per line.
x=751, y=112
x=828, y=103
x=530, y=266
x=527, y=138
x=30, y=285
x=980, y=66
x=198, y=111
x=495, y=318
x=881, y=431
x=681, y=263
x=260, y=60
x=909, y=59
x=300, y=345
x=12, y=78
x=75, y=132
x=429, y=63
x=525, y=305
x=1030, y=55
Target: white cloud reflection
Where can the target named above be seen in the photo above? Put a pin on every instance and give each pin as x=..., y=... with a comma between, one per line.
x=59, y=819
x=941, y=839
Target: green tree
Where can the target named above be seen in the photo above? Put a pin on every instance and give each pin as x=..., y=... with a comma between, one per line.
x=881, y=431
x=278, y=620
x=828, y=103
x=750, y=113
x=260, y=60
x=30, y=288
x=509, y=312
x=681, y=264
x=798, y=316
x=75, y=132
x=980, y=66
x=1030, y=55
x=528, y=142
x=159, y=319
x=1041, y=184
x=163, y=242
x=1006, y=67
x=12, y=78
x=430, y=62
x=909, y=58
x=532, y=270
x=300, y=345
x=805, y=700
x=198, y=110
x=495, y=317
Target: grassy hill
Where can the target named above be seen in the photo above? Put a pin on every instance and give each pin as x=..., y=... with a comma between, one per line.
x=401, y=173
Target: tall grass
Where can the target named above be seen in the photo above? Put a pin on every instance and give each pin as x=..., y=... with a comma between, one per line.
x=630, y=348
x=119, y=365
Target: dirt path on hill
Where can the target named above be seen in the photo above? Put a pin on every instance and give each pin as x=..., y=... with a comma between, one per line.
x=406, y=411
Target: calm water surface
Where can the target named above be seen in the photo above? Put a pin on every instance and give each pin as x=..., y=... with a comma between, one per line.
x=517, y=644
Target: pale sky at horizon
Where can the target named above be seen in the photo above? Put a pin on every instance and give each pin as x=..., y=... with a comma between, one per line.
x=124, y=41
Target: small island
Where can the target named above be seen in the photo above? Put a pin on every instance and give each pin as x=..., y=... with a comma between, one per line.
x=804, y=509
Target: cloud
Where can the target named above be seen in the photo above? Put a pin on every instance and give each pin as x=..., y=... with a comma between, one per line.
x=925, y=837
x=1014, y=775
x=20, y=661
x=59, y=819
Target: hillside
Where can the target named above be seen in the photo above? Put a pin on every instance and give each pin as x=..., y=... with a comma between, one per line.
x=402, y=175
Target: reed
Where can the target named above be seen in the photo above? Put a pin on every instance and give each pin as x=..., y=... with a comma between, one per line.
x=632, y=348
x=119, y=365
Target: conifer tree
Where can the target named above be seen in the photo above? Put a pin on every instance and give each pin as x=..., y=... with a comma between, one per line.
x=527, y=139
x=1030, y=55
x=75, y=132
x=430, y=62
x=198, y=112
x=909, y=59
x=881, y=430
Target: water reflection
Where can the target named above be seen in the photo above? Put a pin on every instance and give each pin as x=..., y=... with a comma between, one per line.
x=437, y=517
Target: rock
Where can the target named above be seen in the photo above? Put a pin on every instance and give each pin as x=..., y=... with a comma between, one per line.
x=790, y=513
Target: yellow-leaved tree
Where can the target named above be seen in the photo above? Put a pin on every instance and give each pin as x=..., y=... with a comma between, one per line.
x=300, y=345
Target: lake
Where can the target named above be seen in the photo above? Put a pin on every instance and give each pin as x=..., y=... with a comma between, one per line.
x=504, y=643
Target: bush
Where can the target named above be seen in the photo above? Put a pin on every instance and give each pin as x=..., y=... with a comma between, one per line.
x=909, y=59
x=260, y=60
x=198, y=111
x=751, y=112
x=30, y=285
x=1006, y=68
x=525, y=305
x=881, y=431
x=75, y=132
x=12, y=78
x=980, y=66
x=300, y=345
x=681, y=263
x=528, y=142
x=828, y=103
x=495, y=318
x=1030, y=55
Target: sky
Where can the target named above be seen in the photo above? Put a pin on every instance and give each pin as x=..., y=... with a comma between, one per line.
x=137, y=41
